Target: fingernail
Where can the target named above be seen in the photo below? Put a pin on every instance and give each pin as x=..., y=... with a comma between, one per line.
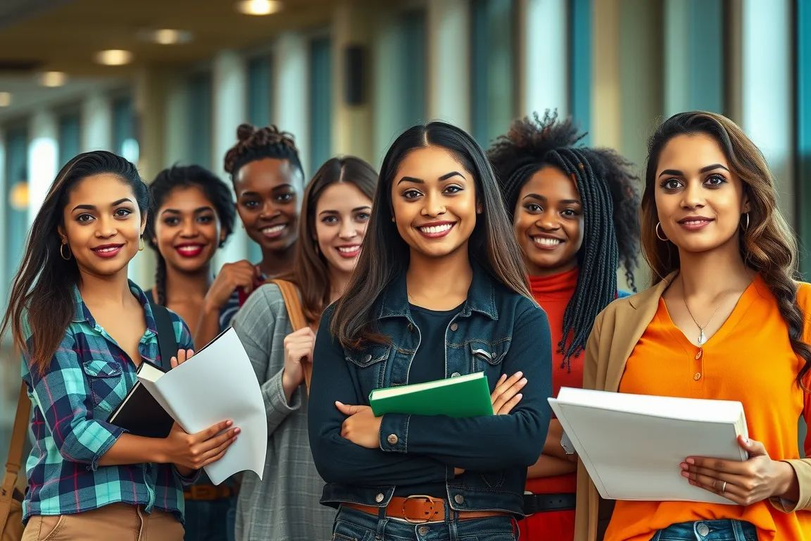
x=339, y=403
x=229, y=423
x=684, y=466
x=685, y=474
x=519, y=373
x=690, y=461
x=519, y=396
x=523, y=381
x=237, y=431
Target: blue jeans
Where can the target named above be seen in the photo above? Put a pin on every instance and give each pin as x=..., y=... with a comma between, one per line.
x=210, y=520
x=708, y=530
x=354, y=525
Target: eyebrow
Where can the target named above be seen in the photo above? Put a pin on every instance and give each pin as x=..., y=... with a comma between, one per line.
x=356, y=209
x=539, y=197
x=677, y=173
x=446, y=176
x=176, y=211
x=93, y=207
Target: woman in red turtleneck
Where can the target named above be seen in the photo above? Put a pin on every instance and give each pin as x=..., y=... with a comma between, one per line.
x=574, y=212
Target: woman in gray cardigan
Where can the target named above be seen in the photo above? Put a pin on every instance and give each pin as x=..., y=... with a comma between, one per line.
x=283, y=506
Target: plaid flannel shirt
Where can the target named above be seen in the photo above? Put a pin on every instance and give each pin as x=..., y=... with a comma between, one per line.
x=87, y=379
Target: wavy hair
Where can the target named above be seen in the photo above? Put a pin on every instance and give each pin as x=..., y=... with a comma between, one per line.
x=767, y=245
x=385, y=254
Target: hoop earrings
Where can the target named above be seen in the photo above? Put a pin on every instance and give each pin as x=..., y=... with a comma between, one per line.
x=746, y=227
x=141, y=245
x=662, y=235
x=62, y=253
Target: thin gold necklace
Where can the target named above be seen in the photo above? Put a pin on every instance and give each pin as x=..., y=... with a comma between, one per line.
x=702, y=338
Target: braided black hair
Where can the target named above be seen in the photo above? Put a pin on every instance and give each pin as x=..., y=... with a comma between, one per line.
x=168, y=180
x=610, y=201
x=259, y=143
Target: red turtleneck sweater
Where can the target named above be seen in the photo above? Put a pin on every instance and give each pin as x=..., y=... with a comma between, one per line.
x=553, y=293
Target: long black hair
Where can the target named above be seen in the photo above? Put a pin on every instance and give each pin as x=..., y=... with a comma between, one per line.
x=385, y=254
x=41, y=292
x=172, y=178
x=607, y=188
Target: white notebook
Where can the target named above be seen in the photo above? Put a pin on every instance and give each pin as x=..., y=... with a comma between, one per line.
x=218, y=383
x=632, y=445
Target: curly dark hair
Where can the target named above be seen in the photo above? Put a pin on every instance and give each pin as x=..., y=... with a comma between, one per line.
x=607, y=187
x=168, y=180
x=258, y=143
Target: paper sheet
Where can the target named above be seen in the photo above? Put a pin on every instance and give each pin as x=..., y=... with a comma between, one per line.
x=219, y=384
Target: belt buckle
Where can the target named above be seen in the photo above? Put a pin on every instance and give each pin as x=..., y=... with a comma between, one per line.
x=432, y=501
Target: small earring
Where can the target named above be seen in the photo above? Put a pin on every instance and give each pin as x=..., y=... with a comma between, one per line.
x=62, y=253
x=662, y=236
x=221, y=244
x=746, y=227
x=141, y=245
x=393, y=220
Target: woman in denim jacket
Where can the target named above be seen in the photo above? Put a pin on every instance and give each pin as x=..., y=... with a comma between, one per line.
x=439, y=292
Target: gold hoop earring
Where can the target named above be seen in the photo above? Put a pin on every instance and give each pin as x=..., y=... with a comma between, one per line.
x=746, y=227
x=662, y=236
x=141, y=245
x=62, y=253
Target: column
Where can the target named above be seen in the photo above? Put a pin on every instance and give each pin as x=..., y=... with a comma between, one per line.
x=543, y=56
x=449, y=62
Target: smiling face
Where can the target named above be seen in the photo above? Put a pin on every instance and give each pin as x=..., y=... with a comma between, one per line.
x=102, y=225
x=698, y=199
x=434, y=202
x=187, y=229
x=341, y=217
x=548, y=222
x=268, y=193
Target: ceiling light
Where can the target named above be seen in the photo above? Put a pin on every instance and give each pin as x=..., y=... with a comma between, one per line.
x=113, y=57
x=5, y=99
x=166, y=36
x=53, y=79
x=259, y=7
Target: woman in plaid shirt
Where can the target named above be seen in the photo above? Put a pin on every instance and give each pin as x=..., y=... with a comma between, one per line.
x=83, y=329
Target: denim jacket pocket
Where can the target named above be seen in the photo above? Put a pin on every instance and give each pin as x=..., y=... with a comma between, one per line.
x=488, y=354
x=370, y=365
x=106, y=382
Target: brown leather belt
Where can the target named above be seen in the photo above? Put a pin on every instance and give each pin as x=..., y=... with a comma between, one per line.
x=418, y=509
x=208, y=492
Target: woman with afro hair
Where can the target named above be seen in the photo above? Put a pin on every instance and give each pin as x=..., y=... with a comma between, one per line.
x=574, y=214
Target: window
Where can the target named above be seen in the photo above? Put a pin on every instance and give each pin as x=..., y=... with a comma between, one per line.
x=580, y=41
x=320, y=102
x=492, y=68
x=260, y=90
x=200, y=114
x=70, y=137
x=413, y=74
x=16, y=211
x=125, y=137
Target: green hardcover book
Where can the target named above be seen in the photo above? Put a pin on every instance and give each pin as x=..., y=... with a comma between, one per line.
x=462, y=396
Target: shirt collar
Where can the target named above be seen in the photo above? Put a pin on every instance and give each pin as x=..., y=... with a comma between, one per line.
x=82, y=312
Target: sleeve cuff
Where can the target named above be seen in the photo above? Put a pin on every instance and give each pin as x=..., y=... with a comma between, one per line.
x=115, y=432
x=187, y=480
x=394, y=433
x=802, y=469
x=273, y=391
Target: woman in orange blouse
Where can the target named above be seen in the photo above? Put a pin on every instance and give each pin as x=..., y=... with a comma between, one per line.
x=574, y=213
x=725, y=320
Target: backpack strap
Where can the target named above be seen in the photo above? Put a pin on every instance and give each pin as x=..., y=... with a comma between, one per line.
x=15, y=454
x=167, y=342
x=292, y=302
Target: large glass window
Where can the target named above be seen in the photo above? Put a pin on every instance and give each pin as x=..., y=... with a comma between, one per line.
x=200, y=119
x=125, y=133
x=70, y=136
x=320, y=102
x=492, y=67
x=260, y=90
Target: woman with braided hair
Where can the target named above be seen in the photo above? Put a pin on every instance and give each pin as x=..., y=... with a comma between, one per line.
x=573, y=211
x=268, y=182
x=191, y=215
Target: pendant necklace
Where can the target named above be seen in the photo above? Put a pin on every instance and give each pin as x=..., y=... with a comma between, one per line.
x=702, y=338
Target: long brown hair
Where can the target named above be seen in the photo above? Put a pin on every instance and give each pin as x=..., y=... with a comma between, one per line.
x=310, y=270
x=385, y=254
x=766, y=245
x=41, y=293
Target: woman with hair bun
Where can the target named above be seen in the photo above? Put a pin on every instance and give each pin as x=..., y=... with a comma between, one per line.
x=574, y=215
x=268, y=181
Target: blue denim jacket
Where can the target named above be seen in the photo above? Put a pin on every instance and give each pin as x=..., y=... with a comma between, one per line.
x=498, y=332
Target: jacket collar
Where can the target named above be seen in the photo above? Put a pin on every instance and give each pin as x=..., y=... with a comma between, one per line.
x=652, y=294
x=481, y=297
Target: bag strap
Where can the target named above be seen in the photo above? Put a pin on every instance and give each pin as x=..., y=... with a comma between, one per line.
x=167, y=342
x=15, y=454
x=292, y=301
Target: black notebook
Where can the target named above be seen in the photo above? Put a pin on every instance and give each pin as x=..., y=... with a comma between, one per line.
x=139, y=413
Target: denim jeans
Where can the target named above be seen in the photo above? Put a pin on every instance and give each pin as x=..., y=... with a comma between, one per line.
x=354, y=525
x=210, y=520
x=708, y=530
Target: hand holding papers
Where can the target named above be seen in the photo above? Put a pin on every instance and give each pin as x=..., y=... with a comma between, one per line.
x=632, y=445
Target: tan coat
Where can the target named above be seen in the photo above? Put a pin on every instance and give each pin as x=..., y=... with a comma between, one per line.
x=616, y=332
